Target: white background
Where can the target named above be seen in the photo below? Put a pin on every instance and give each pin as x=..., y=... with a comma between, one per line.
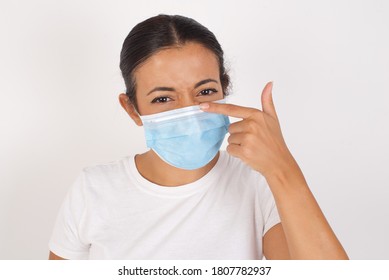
x=59, y=112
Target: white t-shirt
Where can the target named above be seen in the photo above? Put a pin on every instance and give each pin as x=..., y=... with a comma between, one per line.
x=112, y=212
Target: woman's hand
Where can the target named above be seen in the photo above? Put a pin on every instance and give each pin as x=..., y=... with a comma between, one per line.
x=257, y=139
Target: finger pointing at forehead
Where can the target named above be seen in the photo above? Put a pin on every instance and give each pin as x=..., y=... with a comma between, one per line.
x=227, y=109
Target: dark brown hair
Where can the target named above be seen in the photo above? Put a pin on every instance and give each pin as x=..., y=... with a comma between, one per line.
x=164, y=31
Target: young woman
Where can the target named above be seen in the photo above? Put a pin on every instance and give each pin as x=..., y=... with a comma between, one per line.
x=183, y=198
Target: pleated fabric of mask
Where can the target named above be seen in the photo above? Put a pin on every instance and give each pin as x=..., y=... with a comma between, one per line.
x=187, y=138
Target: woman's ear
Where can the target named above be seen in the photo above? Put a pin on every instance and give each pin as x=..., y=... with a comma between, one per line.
x=130, y=109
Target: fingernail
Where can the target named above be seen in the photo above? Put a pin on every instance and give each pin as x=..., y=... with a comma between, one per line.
x=204, y=106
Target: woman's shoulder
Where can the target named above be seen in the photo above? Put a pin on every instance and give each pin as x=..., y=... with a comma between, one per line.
x=235, y=167
x=107, y=167
x=106, y=174
x=244, y=181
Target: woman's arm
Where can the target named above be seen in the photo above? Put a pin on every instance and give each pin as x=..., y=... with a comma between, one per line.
x=257, y=140
x=53, y=256
x=274, y=244
x=307, y=232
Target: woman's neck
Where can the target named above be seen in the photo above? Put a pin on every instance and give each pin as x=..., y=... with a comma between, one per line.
x=154, y=169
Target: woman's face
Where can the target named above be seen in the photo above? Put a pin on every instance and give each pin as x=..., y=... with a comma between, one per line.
x=177, y=77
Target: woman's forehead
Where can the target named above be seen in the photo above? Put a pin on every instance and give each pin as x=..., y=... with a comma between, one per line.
x=184, y=65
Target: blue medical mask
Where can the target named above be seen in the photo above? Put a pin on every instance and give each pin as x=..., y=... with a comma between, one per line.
x=187, y=138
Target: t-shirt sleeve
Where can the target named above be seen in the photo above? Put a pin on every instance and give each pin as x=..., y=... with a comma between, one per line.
x=66, y=240
x=269, y=208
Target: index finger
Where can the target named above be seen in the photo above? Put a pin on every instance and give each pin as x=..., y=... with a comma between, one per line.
x=227, y=109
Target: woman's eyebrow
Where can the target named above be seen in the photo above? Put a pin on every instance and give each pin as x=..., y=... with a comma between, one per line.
x=204, y=82
x=161, y=89
x=172, y=89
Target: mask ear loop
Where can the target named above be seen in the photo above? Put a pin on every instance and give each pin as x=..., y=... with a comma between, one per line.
x=132, y=104
x=222, y=101
x=134, y=111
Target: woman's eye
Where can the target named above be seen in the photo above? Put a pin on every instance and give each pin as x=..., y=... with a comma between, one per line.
x=161, y=99
x=208, y=91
